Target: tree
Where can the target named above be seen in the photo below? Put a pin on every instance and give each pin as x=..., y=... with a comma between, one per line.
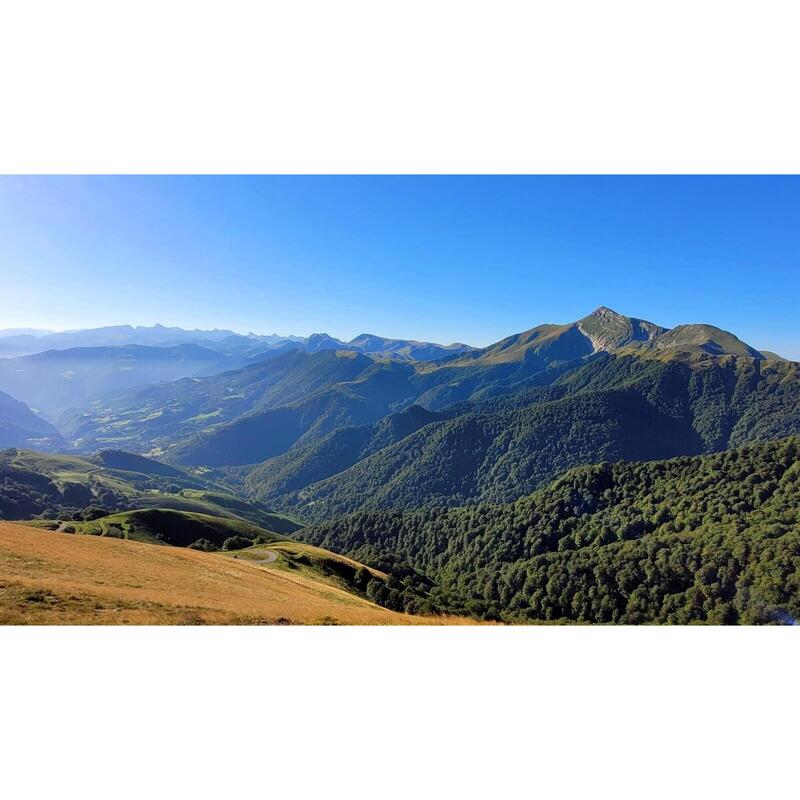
x=236, y=543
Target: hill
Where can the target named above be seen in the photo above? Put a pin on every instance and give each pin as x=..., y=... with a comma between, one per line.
x=306, y=464
x=176, y=528
x=20, y=427
x=711, y=539
x=57, y=578
x=68, y=487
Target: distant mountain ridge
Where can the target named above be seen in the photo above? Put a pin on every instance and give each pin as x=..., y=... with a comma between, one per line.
x=28, y=341
x=54, y=380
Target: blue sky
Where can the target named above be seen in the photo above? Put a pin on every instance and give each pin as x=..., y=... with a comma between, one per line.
x=468, y=259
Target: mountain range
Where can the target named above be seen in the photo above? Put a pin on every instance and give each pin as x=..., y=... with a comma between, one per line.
x=334, y=431
x=468, y=476
x=56, y=372
x=28, y=341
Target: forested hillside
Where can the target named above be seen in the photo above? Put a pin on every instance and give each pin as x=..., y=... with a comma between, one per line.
x=612, y=408
x=711, y=539
x=305, y=464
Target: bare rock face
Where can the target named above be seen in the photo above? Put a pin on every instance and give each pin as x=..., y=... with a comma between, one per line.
x=608, y=330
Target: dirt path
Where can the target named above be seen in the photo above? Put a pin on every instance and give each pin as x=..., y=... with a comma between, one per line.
x=269, y=557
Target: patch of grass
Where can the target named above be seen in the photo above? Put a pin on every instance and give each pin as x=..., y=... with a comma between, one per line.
x=168, y=526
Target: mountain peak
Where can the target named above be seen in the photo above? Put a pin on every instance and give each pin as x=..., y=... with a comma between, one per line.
x=609, y=330
x=605, y=311
x=702, y=339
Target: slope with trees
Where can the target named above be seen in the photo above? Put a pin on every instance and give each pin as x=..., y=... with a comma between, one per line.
x=713, y=538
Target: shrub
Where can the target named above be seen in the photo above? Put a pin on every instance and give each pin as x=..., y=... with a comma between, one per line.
x=203, y=544
x=91, y=513
x=236, y=543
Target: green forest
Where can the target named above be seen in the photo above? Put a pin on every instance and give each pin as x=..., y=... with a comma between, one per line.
x=711, y=539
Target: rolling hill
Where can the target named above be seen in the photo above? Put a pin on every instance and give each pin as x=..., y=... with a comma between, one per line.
x=173, y=527
x=51, y=578
x=68, y=487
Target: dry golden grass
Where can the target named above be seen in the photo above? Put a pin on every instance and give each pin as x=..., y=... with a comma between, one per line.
x=50, y=578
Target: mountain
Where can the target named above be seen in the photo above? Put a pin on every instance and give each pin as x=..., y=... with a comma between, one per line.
x=265, y=432
x=318, y=342
x=55, y=380
x=5, y=333
x=157, y=418
x=296, y=398
x=408, y=349
x=20, y=427
x=700, y=340
x=603, y=330
x=30, y=342
x=712, y=539
x=307, y=463
x=604, y=470
x=611, y=408
x=369, y=344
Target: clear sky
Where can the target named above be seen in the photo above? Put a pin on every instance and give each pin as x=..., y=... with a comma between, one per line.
x=446, y=259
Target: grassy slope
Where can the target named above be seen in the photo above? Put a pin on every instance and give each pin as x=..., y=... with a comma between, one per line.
x=305, y=559
x=56, y=578
x=128, y=484
x=167, y=526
